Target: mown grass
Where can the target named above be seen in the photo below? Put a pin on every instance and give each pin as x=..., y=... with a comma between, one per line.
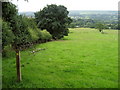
x=84, y=59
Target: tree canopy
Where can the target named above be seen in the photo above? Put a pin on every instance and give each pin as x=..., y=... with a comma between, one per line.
x=54, y=19
x=23, y=29
x=100, y=27
x=16, y=22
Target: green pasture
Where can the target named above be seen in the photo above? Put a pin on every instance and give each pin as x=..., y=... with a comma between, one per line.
x=84, y=59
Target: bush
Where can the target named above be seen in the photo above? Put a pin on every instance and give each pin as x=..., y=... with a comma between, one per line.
x=41, y=35
x=33, y=34
x=8, y=52
x=7, y=36
x=46, y=35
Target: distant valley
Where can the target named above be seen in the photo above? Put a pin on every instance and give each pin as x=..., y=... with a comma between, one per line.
x=88, y=18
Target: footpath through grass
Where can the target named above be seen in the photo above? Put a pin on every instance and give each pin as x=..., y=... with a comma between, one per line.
x=84, y=59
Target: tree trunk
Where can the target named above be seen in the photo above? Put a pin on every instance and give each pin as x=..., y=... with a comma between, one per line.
x=18, y=67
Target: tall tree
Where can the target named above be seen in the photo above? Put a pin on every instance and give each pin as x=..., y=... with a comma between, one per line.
x=18, y=27
x=54, y=19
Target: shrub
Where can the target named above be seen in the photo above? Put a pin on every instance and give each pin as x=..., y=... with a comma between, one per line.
x=33, y=34
x=46, y=35
x=7, y=36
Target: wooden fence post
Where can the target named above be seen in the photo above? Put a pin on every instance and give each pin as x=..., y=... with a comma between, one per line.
x=18, y=67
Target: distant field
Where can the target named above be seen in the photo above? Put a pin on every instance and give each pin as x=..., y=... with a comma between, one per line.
x=84, y=59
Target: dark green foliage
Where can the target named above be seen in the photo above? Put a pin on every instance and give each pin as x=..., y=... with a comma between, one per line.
x=23, y=29
x=21, y=33
x=35, y=33
x=54, y=19
x=18, y=24
x=7, y=34
x=9, y=14
x=9, y=11
x=100, y=27
x=89, y=23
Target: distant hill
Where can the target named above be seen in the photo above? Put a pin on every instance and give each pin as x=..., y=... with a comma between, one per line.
x=77, y=12
x=95, y=15
x=86, y=14
x=28, y=14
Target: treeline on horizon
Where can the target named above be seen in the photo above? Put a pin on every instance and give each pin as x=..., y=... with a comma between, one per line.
x=90, y=18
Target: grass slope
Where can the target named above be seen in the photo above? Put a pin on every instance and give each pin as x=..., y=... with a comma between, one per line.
x=84, y=59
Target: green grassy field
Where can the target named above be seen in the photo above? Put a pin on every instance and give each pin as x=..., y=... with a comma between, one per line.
x=84, y=59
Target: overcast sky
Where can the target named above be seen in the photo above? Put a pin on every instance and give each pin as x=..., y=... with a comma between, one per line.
x=36, y=5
